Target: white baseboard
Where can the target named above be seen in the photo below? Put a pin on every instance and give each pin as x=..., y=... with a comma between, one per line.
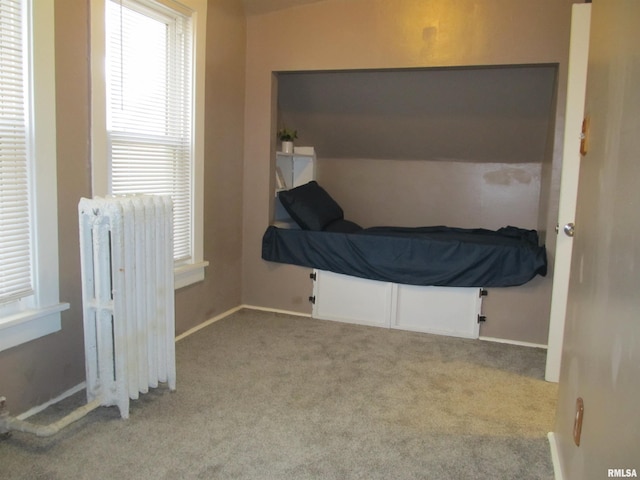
x=555, y=457
x=206, y=323
x=39, y=408
x=512, y=342
x=233, y=310
x=276, y=310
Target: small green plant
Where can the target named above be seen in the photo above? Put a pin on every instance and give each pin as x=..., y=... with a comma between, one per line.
x=285, y=135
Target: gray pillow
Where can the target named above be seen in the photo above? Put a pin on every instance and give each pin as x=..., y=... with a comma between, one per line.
x=310, y=206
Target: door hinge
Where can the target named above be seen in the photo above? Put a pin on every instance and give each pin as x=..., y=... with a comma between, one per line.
x=584, y=136
x=313, y=275
x=483, y=293
x=312, y=299
x=482, y=318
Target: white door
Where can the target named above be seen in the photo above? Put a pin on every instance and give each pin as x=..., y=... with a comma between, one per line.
x=576, y=86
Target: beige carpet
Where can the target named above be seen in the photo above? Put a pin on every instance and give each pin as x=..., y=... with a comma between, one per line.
x=269, y=396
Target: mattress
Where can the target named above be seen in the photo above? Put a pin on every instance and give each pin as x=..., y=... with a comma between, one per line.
x=430, y=256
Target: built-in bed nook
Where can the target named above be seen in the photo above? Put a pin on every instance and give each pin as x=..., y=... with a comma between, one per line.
x=420, y=204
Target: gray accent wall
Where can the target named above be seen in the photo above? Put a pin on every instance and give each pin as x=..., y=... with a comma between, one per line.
x=497, y=114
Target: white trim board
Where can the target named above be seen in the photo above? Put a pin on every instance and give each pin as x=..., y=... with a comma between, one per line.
x=512, y=342
x=308, y=315
x=233, y=310
x=206, y=323
x=555, y=457
x=53, y=401
x=276, y=310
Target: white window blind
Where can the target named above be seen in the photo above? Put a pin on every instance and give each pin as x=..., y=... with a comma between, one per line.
x=29, y=298
x=149, y=98
x=15, y=212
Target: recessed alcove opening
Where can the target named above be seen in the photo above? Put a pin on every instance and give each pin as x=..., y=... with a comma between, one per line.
x=463, y=147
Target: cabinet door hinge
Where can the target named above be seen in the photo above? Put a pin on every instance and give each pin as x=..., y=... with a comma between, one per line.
x=312, y=299
x=313, y=275
x=483, y=293
x=482, y=318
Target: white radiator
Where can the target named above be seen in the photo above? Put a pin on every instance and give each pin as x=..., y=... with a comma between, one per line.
x=126, y=246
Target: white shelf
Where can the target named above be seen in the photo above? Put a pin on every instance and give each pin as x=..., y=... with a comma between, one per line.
x=292, y=170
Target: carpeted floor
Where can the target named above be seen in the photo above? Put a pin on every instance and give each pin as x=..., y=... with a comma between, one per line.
x=269, y=396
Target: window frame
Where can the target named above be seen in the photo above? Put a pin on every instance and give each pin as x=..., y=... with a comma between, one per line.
x=39, y=314
x=185, y=273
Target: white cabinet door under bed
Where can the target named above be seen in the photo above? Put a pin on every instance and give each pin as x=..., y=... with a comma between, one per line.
x=351, y=299
x=442, y=310
x=450, y=311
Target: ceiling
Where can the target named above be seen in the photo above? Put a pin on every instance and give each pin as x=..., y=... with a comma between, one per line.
x=254, y=7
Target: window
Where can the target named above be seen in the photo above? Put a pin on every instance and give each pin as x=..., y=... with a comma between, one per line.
x=29, y=305
x=147, y=122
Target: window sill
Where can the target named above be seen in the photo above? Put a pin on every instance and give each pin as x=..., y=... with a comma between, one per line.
x=28, y=325
x=185, y=275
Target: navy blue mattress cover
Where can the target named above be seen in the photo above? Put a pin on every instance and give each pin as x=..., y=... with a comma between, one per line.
x=438, y=256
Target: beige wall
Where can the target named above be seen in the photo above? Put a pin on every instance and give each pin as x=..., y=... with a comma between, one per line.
x=224, y=120
x=33, y=373
x=461, y=194
x=601, y=354
x=376, y=34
